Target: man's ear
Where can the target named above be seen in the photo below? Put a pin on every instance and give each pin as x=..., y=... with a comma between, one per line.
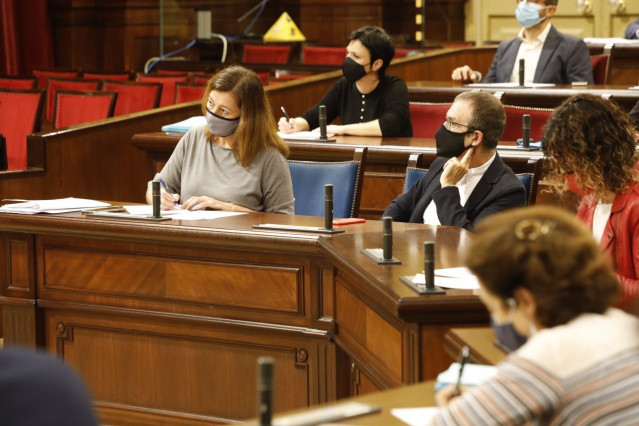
x=477, y=138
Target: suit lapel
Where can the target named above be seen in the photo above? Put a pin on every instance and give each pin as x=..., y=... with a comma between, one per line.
x=547, y=50
x=484, y=185
x=509, y=60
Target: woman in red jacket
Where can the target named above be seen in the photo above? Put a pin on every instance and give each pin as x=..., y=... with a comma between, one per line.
x=591, y=150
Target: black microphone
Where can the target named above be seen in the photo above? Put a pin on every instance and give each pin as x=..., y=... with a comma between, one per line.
x=387, y=237
x=265, y=367
x=328, y=206
x=525, y=128
x=429, y=264
x=521, y=72
x=155, y=197
x=322, y=122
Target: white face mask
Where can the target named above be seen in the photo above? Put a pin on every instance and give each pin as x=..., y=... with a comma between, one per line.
x=527, y=14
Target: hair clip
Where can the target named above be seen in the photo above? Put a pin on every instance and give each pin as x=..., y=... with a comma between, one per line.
x=530, y=230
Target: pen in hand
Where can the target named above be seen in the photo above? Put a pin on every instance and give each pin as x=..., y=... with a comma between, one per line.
x=288, y=119
x=464, y=359
x=166, y=188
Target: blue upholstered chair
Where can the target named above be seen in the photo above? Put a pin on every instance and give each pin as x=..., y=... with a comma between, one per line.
x=413, y=172
x=309, y=178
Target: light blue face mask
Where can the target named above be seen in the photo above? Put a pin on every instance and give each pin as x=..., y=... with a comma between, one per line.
x=527, y=14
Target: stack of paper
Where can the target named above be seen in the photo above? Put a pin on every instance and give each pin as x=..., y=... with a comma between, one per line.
x=458, y=278
x=305, y=136
x=185, y=125
x=61, y=205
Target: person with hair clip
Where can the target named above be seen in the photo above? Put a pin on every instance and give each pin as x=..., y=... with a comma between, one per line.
x=542, y=275
x=592, y=151
x=237, y=161
x=549, y=56
x=367, y=101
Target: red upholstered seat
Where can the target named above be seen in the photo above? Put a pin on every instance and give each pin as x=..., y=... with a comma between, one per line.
x=201, y=78
x=427, y=117
x=55, y=83
x=77, y=107
x=20, y=114
x=15, y=82
x=599, y=68
x=400, y=53
x=187, y=92
x=43, y=74
x=265, y=54
x=121, y=76
x=168, y=85
x=514, y=121
x=323, y=55
x=133, y=96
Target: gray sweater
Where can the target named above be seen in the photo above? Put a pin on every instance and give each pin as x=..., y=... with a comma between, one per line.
x=201, y=168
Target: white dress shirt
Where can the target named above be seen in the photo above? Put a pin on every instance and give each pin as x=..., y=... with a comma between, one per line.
x=600, y=218
x=465, y=185
x=529, y=51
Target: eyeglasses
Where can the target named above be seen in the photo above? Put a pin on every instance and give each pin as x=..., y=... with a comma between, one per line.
x=449, y=123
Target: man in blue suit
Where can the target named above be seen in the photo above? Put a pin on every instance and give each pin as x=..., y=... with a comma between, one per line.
x=549, y=56
x=468, y=180
x=632, y=30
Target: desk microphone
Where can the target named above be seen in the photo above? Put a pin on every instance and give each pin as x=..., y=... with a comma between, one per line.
x=328, y=206
x=387, y=237
x=155, y=191
x=265, y=367
x=322, y=122
x=429, y=269
x=522, y=69
x=525, y=139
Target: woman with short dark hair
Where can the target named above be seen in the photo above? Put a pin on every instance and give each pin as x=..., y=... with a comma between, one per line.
x=367, y=101
x=542, y=276
x=592, y=151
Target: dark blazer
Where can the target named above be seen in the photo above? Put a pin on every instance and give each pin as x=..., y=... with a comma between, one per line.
x=563, y=59
x=634, y=115
x=632, y=30
x=498, y=189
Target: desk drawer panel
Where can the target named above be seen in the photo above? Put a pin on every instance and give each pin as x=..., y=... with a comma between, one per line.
x=229, y=283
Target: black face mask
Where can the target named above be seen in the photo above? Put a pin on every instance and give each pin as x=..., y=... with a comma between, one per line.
x=508, y=337
x=450, y=144
x=352, y=70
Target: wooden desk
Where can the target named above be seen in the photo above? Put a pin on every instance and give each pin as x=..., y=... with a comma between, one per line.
x=551, y=97
x=385, y=162
x=480, y=341
x=165, y=320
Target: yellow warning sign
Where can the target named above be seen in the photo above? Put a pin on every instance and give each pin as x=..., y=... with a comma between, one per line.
x=284, y=29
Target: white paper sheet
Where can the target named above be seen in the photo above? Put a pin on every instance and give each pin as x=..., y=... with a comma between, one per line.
x=457, y=278
x=304, y=136
x=419, y=416
x=178, y=213
x=60, y=205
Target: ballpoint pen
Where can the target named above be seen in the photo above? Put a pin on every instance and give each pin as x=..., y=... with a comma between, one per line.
x=288, y=119
x=166, y=188
x=464, y=358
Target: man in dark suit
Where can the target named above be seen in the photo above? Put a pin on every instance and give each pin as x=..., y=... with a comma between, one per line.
x=467, y=181
x=36, y=389
x=549, y=56
x=634, y=115
x=632, y=30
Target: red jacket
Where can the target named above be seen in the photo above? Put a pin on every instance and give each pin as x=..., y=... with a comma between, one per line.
x=620, y=240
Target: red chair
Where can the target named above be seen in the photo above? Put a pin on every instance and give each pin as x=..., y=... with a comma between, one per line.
x=120, y=76
x=427, y=117
x=54, y=84
x=76, y=107
x=133, y=96
x=260, y=54
x=168, y=85
x=187, y=92
x=599, y=68
x=16, y=82
x=20, y=115
x=43, y=74
x=400, y=53
x=200, y=78
x=323, y=55
x=514, y=113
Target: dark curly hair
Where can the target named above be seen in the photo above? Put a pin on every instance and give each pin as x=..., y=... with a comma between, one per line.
x=548, y=251
x=592, y=137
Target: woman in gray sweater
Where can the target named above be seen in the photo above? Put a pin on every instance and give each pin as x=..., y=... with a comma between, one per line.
x=237, y=161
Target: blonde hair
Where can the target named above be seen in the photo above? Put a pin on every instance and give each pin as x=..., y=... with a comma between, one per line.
x=257, y=129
